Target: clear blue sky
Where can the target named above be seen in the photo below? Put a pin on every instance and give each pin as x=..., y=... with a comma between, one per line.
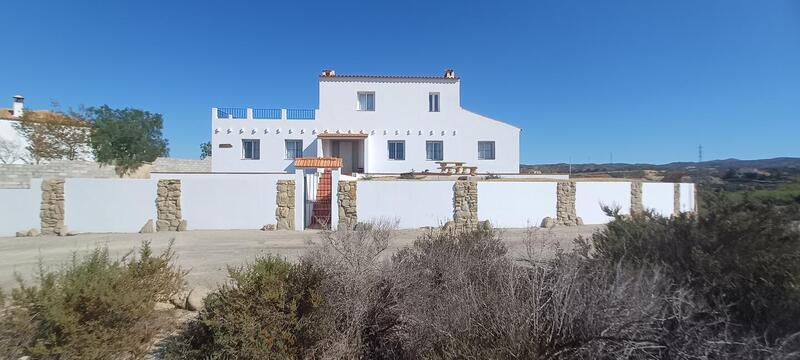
x=645, y=80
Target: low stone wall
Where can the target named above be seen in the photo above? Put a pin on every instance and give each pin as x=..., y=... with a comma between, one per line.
x=52, y=213
x=465, y=204
x=348, y=215
x=168, y=206
x=566, y=215
x=284, y=214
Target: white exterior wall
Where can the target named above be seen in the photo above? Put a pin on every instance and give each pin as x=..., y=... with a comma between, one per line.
x=20, y=209
x=687, y=197
x=108, y=205
x=17, y=153
x=413, y=203
x=659, y=197
x=516, y=204
x=589, y=196
x=401, y=113
x=228, y=201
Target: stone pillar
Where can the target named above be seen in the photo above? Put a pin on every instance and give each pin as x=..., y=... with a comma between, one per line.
x=52, y=209
x=637, y=207
x=465, y=204
x=284, y=214
x=565, y=204
x=348, y=216
x=676, y=199
x=168, y=206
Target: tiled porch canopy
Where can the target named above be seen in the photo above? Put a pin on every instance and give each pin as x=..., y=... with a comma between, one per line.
x=337, y=135
x=318, y=162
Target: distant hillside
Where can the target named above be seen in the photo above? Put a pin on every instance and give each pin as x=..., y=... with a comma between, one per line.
x=787, y=163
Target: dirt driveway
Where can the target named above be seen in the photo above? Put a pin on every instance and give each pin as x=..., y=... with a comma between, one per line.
x=206, y=253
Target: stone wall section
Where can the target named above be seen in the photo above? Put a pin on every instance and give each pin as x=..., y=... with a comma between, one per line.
x=566, y=215
x=348, y=216
x=52, y=209
x=676, y=199
x=465, y=204
x=168, y=206
x=284, y=214
x=637, y=206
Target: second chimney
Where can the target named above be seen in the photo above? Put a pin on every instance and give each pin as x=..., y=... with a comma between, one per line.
x=19, y=106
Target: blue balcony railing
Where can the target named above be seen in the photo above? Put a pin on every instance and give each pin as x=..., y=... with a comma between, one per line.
x=266, y=113
x=300, y=114
x=235, y=113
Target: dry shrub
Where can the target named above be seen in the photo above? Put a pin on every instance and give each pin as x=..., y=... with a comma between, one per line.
x=94, y=308
x=261, y=313
x=741, y=256
x=357, y=318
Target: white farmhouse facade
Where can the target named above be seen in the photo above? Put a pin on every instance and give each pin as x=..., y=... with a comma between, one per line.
x=375, y=124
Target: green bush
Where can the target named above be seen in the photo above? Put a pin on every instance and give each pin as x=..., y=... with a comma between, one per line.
x=261, y=313
x=742, y=256
x=94, y=308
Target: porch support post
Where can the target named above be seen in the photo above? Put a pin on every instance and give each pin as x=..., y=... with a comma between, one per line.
x=366, y=155
x=335, y=174
x=299, y=199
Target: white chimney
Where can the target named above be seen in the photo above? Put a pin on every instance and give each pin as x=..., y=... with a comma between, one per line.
x=449, y=74
x=19, y=106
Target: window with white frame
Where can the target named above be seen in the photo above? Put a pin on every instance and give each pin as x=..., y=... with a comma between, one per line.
x=294, y=149
x=251, y=149
x=434, y=150
x=433, y=102
x=485, y=150
x=366, y=101
x=397, y=150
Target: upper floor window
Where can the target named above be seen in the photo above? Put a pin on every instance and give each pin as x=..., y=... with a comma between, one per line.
x=397, y=150
x=434, y=150
x=251, y=149
x=485, y=150
x=366, y=101
x=294, y=149
x=433, y=102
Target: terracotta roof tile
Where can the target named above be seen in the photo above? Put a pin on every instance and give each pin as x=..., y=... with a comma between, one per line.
x=44, y=116
x=318, y=162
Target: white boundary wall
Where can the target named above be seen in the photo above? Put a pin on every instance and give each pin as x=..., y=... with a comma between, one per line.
x=659, y=197
x=109, y=205
x=228, y=201
x=590, y=195
x=516, y=204
x=20, y=209
x=687, y=197
x=413, y=203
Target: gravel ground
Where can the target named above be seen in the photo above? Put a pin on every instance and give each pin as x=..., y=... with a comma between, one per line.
x=207, y=252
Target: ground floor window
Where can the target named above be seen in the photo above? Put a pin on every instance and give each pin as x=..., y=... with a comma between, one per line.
x=294, y=149
x=251, y=149
x=434, y=150
x=485, y=150
x=397, y=150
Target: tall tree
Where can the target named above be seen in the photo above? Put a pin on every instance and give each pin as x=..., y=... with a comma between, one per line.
x=126, y=138
x=205, y=150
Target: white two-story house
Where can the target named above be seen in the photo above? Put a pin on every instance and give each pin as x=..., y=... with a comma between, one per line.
x=375, y=124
